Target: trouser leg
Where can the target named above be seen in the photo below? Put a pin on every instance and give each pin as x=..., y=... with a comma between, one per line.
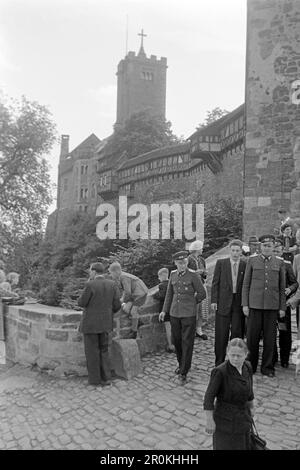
x=176, y=337
x=269, y=338
x=134, y=318
x=199, y=318
x=188, y=325
x=92, y=354
x=237, y=320
x=254, y=327
x=285, y=338
x=222, y=326
x=105, y=369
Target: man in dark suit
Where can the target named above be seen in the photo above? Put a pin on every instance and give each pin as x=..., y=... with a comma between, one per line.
x=263, y=296
x=100, y=298
x=226, y=299
x=185, y=290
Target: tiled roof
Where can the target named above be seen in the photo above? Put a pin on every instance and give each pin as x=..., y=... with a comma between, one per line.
x=215, y=127
x=157, y=153
x=91, y=140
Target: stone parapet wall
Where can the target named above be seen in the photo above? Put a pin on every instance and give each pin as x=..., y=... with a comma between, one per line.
x=48, y=337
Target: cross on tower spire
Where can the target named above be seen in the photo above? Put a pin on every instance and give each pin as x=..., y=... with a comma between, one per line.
x=142, y=36
x=142, y=42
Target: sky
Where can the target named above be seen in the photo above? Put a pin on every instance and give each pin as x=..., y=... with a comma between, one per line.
x=64, y=54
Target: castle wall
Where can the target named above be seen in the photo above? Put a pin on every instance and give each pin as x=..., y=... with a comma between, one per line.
x=208, y=185
x=272, y=156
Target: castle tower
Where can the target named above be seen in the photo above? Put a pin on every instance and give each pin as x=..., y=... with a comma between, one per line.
x=141, y=84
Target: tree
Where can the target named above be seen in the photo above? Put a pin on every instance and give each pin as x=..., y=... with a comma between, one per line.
x=212, y=116
x=27, y=133
x=141, y=133
x=222, y=222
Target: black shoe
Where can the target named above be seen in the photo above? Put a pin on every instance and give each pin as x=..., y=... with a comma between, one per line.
x=268, y=373
x=177, y=371
x=182, y=378
x=170, y=350
x=202, y=336
x=105, y=383
x=285, y=365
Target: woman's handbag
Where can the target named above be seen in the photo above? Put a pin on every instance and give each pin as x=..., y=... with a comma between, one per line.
x=256, y=442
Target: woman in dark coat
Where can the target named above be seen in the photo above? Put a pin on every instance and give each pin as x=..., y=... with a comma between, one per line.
x=228, y=418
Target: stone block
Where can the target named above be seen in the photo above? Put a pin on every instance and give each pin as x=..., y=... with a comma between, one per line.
x=125, y=357
x=56, y=335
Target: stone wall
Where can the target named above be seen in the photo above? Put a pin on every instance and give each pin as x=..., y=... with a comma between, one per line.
x=48, y=337
x=272, y=156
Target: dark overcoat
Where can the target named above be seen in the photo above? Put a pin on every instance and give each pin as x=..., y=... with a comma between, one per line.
x=100, y=298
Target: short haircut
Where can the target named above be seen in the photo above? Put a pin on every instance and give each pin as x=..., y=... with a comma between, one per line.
x=239, y=342
x=11, y=276
x=236, y=243
x=163, y=271
x=115, y=266
x=98, y=267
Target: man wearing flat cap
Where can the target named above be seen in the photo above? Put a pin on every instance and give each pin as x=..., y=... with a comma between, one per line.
x=100, y=299
x=185, y=291
x=263, y=296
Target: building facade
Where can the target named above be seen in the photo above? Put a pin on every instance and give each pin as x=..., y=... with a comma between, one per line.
x=77, y=180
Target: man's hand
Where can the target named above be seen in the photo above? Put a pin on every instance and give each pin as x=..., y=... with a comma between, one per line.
x=281, y=313
x=287, y=291
x=214, y=306
x=246, y=311
x=126, y=307
x=161, y=316
x=210, y=426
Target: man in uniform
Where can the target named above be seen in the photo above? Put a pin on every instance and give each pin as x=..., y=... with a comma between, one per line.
x=263, y=295
x=185, y=291
x=284, y=324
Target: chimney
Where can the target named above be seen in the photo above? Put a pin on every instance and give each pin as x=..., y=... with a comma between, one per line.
x=64, y=146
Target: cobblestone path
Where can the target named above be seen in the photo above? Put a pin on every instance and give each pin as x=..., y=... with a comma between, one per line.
x=151, y=411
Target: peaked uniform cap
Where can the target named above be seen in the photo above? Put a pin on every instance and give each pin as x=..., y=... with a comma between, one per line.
x=180, y=255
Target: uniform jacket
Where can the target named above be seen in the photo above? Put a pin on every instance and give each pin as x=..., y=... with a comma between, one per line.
x=264, y=283
x=100, y=298
x=134, y=289
x=221, y=289
x=183, y=293
x=232, y=392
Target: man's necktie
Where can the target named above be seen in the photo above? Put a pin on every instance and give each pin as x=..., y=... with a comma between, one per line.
x=235, y=269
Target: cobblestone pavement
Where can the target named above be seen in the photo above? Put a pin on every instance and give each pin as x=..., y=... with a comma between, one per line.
x=151, y=411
